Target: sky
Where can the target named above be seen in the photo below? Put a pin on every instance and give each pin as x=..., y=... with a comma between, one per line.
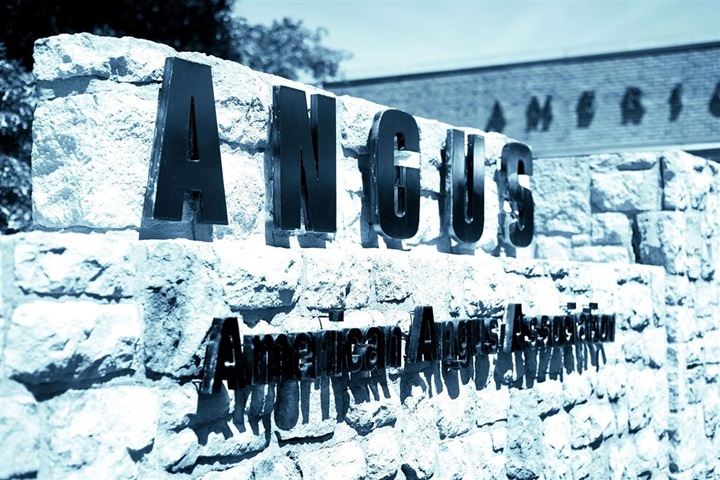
x=400, y=36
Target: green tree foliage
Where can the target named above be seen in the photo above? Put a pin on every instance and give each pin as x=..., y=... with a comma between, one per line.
x=285, y=48
x=17, y=103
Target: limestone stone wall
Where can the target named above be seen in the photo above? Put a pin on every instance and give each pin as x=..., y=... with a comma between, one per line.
x=657, y=209
x=103, y=334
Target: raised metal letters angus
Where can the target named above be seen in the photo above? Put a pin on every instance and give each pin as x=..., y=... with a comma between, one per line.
x=186, y=152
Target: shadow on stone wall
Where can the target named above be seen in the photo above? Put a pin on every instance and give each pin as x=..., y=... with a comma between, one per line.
x=306, y=411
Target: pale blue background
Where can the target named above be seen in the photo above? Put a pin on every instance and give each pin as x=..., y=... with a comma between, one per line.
x=402, y=36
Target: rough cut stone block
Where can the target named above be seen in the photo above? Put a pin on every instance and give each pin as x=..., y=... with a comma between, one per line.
x=602, y=254
x=627, y=161
x=245, y=195
x=367, y=411
x=661, y=240
x=652, y=452
x=557, y=432
x=451, y=461
x=346, y=460
x=74, y=264
x=641, y=390
x=591, y=423
x=492, y=406
x=382, y=453
x=688, y=443
x=577, y=389
x=420, y=442
x=277, y=467
x=552, y=247
x=549, y=397
x=706, y=300
x=266, y=279
x=524, y=428
x=704, y=183
x=676, y=171
x=99, y=433
x=626, y=191
x=84, y=55
x=611, y=229
x=481, y=459
x=305, y=409
x=50, y=342
x=654, y=344
x=681, y=324
x=183, y=293
x=561, y=190
x=697, y=244
x=225, y=441
x=90, y=158
x=336, y=279
x=454, y=412
x=20, y=430
x=678, y=291
x=711, y=413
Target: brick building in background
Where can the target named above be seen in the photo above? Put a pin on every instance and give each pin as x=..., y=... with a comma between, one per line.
x=638, y=100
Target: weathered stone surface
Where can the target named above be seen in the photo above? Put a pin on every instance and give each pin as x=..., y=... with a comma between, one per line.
x=75, y=264
x=371, y=408
x=69, y=341
x=676, y=172
x=524, y=428
x=688, y=443
x=99, y=433
x=455, y=407
x=346, y=460
x=621, y=162
x=182, y=294
x=84, y=55
x=245, y=185
x=305, y=409
x=700, y=262
x=652, y=452
x=392, y=272
x=266, y=279
x=642, y=388
x=336, y=279
x=492, y=406
x=223, y=442
x=278, y=467
x=591, y=423
x=382, y=453
x=568, y=212
x=661, y=240
x=451, y=461
x=626, y=191
x=552, y=247
x=418, y=437
x=549, y=397
x=576, y=389
x=20, y=431
x=481, y=459
x=602, y=254
x=654, y=343
x=611, y=229
x=90, y=158
x=244, y=471
x=556, y=439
